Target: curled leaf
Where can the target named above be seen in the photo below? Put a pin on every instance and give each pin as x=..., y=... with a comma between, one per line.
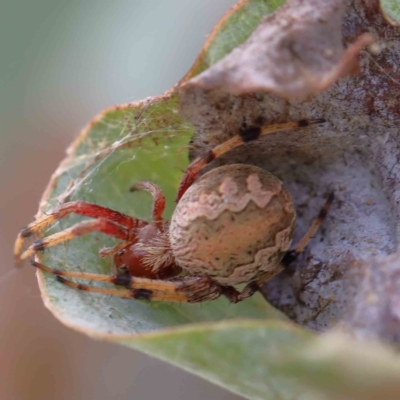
x=295, y=53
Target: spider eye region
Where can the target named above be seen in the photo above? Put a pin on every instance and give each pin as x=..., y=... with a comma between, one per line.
x=233, y=224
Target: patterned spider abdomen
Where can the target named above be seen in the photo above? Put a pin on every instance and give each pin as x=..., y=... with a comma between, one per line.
x=234, y=224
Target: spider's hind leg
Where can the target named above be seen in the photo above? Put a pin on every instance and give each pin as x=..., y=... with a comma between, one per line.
x=291, y=255
x=191, y=289
x=246, y=134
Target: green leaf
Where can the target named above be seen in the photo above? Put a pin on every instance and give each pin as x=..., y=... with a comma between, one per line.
x=391, y=9
x=276, y=360
x=232, y=31
x=239, y=355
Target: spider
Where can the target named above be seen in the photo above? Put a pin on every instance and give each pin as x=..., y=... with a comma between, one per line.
x=231, y=226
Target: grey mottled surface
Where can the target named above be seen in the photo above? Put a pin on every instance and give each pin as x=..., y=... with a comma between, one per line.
x=355, y=154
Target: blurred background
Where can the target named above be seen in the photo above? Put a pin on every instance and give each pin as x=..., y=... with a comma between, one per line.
x=61, y=63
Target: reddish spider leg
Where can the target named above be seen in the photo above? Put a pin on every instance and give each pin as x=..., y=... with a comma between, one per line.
x=246, y=135
x=158, y=196
x=108, y=221
x=187, y=289
x=158, y=210
x=105, y=226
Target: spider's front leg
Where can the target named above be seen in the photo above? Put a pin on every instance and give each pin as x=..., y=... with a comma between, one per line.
x=80, y=208
x=105, y=226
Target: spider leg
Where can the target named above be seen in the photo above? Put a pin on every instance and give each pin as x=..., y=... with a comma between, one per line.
x=75, y=207
x=158, y=196
x=110, y=251
x=246, y=135
x=291, y=255
x=98, y=225
x=190, y=289
x=139, y=294
x=235, y=296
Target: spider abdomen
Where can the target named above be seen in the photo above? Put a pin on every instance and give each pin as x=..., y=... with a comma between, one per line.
x=234, y=224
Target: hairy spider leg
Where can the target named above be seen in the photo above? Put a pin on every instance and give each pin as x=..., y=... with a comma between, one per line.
x=158, y=196
x=138, y=294
x=291, y=255
x=246, y=135
x=251, y=288
x=110, y=251
x=105, y=226
x=75, y=207
x=192, y=289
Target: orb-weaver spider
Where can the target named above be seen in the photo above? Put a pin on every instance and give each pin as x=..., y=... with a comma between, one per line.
x=233, y=225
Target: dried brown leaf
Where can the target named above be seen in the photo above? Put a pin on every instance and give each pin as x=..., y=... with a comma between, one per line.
x=295, y=53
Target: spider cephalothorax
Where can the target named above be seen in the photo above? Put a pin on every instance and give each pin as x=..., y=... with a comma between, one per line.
x=233, y=225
